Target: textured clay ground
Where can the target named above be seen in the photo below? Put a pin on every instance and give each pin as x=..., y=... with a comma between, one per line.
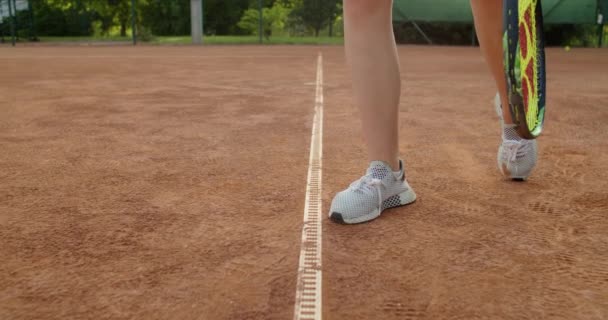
x=168, y=183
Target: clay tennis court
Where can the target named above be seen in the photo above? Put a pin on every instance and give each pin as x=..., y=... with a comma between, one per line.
x=169, y=183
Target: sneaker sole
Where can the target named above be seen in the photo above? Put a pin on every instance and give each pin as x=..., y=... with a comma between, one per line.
x=402, y=199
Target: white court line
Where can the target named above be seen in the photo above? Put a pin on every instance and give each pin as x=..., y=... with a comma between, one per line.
x=308, y=288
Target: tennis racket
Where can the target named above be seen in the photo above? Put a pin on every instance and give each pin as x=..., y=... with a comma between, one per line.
x=524, y=61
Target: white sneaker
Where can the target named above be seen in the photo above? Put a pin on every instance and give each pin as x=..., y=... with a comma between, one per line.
x=365, y=199
x=516, y=156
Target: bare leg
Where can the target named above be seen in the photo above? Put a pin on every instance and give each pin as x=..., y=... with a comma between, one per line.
x=488, y=24
x=372, y=55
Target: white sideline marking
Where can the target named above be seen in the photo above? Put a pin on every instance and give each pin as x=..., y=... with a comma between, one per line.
x=308, y=288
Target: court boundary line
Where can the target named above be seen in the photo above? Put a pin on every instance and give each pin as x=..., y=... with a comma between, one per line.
x=308, y=286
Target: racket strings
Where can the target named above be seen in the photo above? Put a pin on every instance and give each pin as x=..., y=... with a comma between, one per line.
x=529, y=56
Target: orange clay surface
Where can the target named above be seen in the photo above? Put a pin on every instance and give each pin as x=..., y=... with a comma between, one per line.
x=168, y=183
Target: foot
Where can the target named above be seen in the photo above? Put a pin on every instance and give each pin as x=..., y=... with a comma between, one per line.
x=516, y=156
x=516, y=159
x=365, y=199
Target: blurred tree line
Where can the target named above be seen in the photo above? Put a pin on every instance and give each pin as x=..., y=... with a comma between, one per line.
x=101, y=18
x=172, y=17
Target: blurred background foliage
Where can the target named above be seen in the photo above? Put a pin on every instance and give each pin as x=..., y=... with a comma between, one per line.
x=281, y=18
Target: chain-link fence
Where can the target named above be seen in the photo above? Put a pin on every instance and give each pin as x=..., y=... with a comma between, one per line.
x=16, y=21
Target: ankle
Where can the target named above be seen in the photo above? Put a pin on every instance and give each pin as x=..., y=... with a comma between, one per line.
x=392, y=164
x=395, y=166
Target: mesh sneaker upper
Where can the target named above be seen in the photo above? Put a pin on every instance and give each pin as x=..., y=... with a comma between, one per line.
x=367, y=194
x=516, y=156
x=516, y=159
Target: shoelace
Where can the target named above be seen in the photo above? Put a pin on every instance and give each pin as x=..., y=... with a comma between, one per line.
x=367, y=184
x=515, y=149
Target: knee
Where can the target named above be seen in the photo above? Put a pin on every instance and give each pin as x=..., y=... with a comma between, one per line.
x=359, y=10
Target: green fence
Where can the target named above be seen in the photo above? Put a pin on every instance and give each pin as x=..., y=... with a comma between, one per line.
x=579, y=16
x=555, y=11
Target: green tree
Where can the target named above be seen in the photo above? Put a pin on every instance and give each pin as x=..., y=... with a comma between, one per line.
x=274, y=19
x=222, y=16
x=62, y=17
x=335, y=14
x=315, y=14
x=122, y=12
x=166, y=17
x=111, y=13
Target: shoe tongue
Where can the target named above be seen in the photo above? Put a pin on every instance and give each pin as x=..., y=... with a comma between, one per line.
x=379, y=169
